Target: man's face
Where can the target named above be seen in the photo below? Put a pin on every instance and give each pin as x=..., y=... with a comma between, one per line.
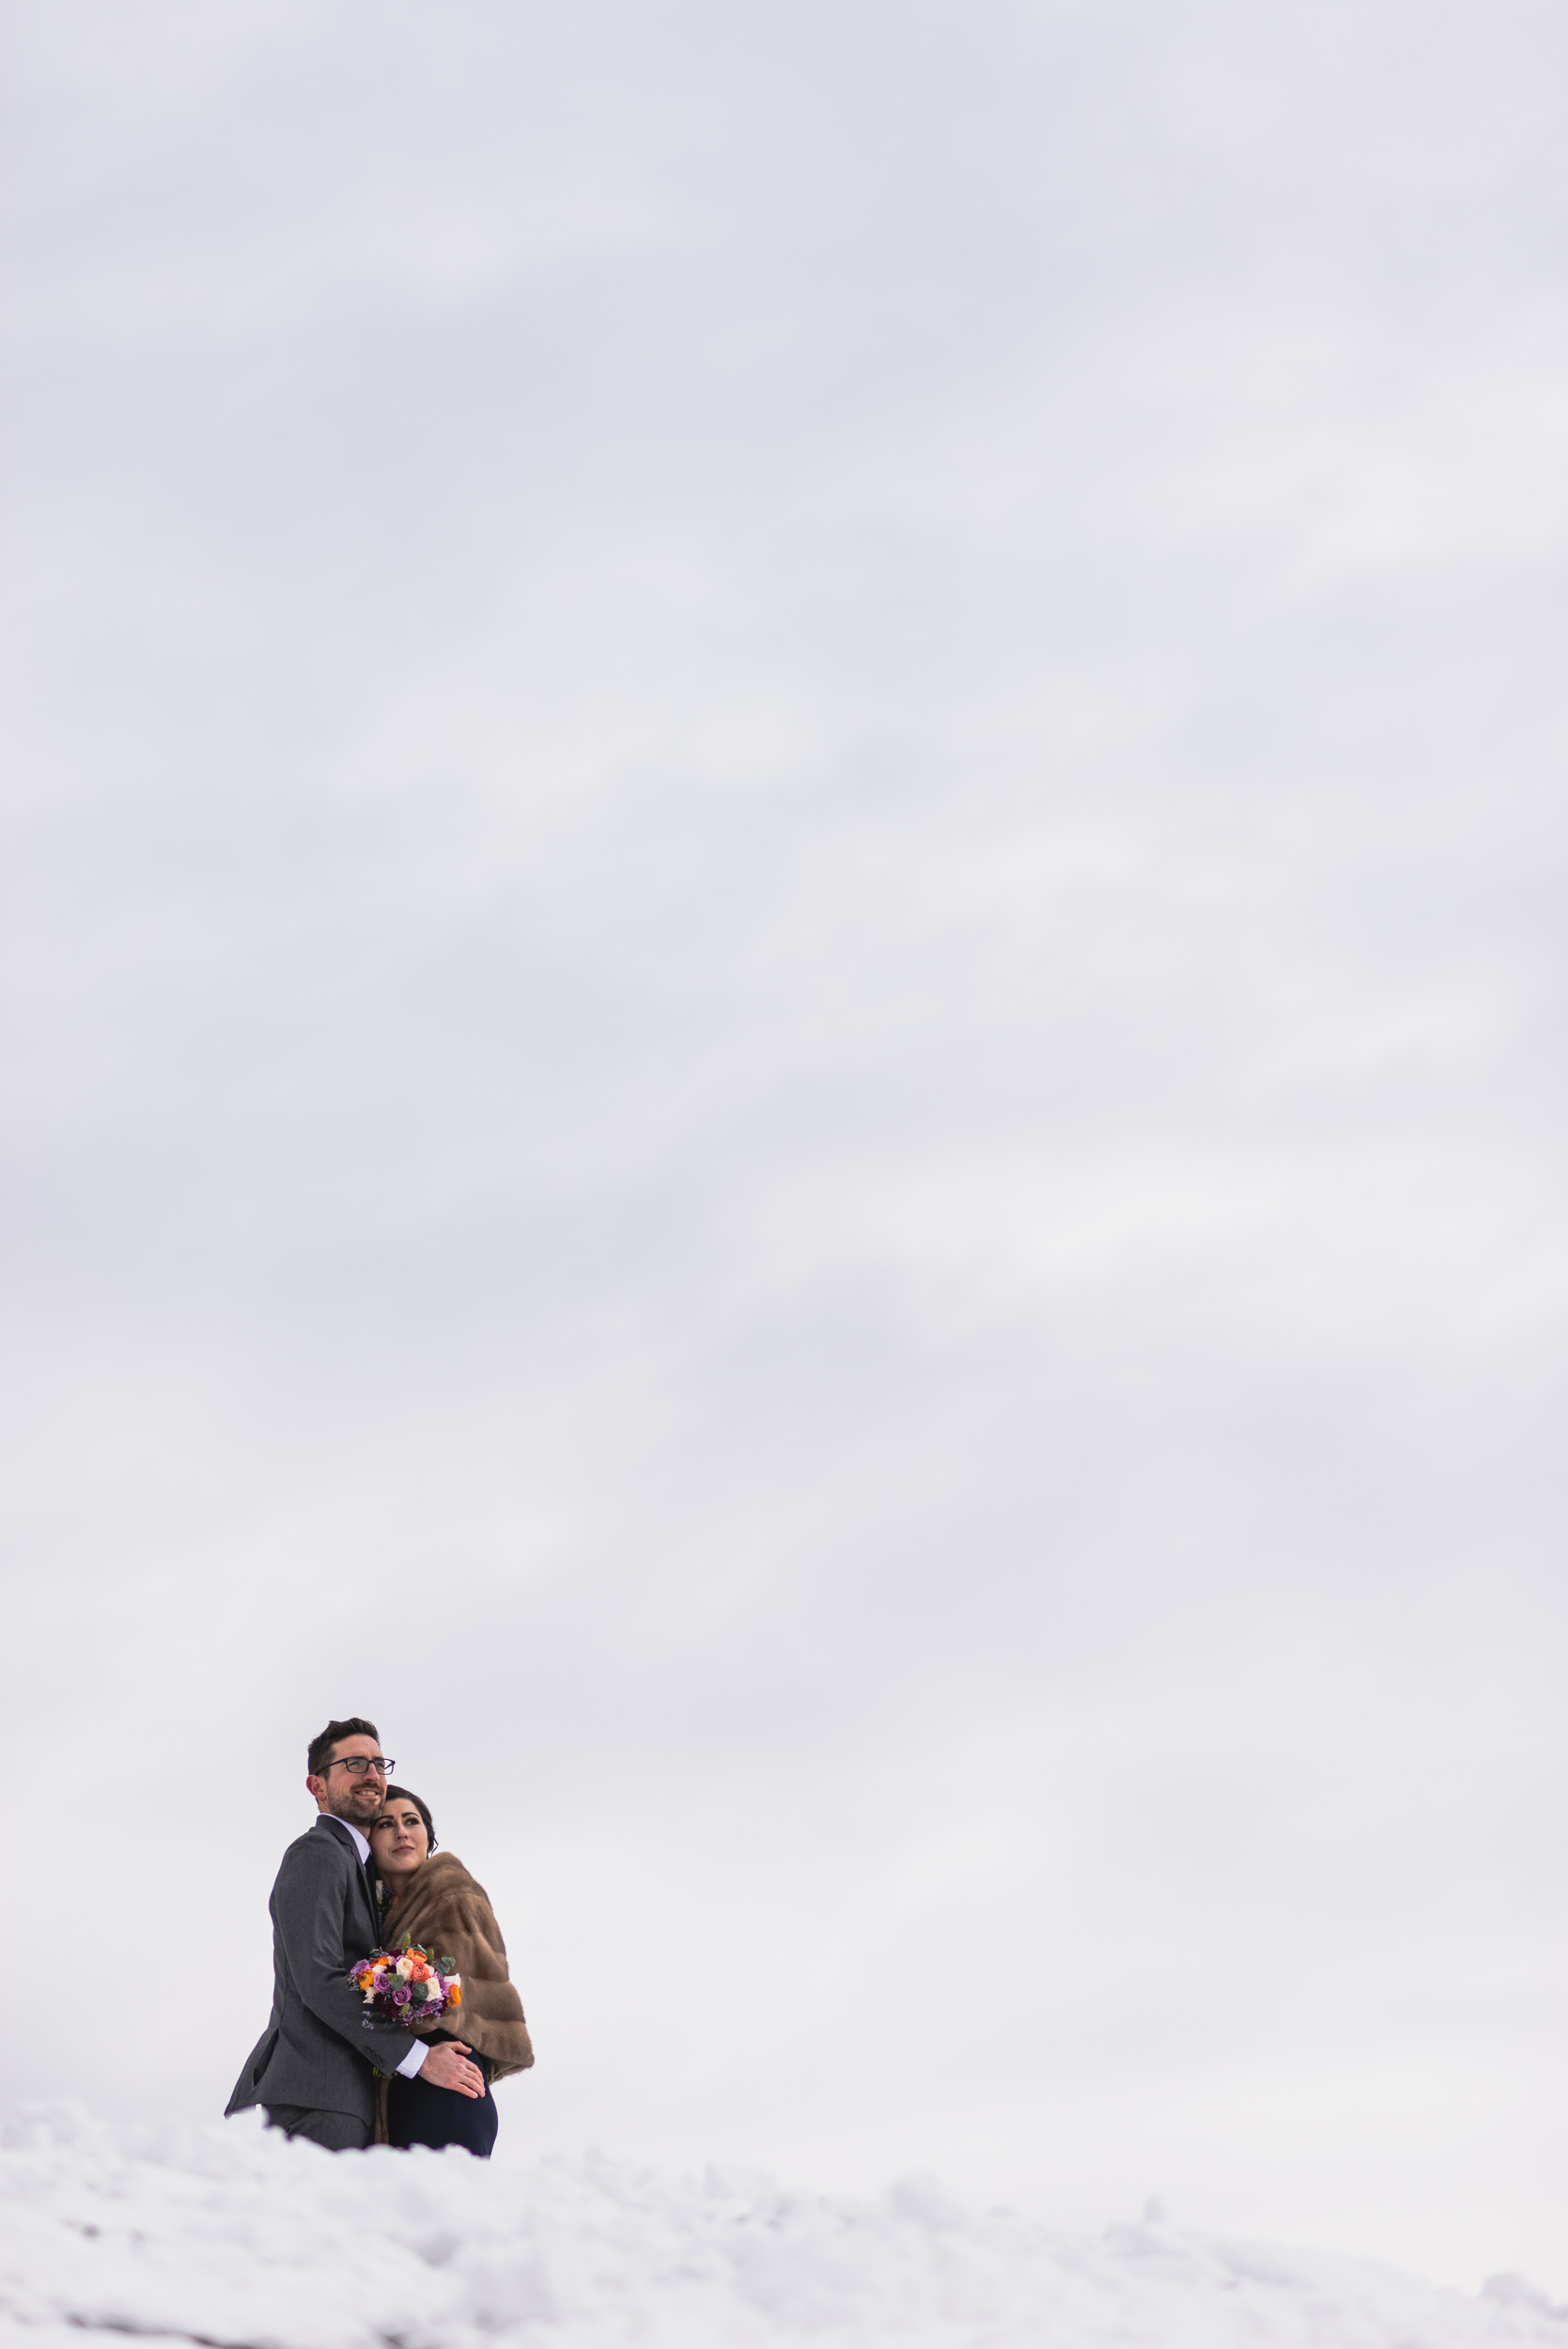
x=356, y=1796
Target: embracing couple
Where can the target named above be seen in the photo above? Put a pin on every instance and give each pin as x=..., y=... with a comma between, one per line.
x=367, y=1876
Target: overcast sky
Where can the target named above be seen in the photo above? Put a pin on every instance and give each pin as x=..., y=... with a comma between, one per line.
x=785, y=1032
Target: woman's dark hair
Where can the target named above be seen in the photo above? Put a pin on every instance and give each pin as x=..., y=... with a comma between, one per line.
x=403, y=1794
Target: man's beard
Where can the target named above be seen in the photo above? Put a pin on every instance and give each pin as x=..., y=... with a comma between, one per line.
x=342, y=1809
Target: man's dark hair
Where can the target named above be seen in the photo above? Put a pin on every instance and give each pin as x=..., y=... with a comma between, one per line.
x=320, y=1752
x=405, y=1794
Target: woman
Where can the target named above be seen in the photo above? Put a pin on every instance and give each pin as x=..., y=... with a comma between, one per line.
x=431, y=1898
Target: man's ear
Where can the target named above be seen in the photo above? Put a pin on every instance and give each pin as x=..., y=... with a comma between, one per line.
x=317, y=1786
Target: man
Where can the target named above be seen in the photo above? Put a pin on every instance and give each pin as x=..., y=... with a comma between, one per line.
x=312, y=2066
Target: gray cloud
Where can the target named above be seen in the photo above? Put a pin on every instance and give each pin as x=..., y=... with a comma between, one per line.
x=782, y=893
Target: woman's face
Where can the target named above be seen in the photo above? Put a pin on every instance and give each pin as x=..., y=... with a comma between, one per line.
x=399, y=1843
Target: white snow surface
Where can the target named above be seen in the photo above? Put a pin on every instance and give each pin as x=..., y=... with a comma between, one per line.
x=235, y=2239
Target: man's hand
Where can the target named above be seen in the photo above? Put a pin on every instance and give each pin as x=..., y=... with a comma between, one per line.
x=447, y=2066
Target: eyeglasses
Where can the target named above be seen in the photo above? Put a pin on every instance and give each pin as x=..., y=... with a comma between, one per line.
x=360, y=1762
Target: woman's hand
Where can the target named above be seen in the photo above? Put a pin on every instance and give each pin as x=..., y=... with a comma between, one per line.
x=446, y=2066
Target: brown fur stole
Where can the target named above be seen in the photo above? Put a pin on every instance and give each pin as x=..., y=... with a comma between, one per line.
x=449, y=1913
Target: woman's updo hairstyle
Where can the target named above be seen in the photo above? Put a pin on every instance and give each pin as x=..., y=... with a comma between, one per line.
x=404, y=1793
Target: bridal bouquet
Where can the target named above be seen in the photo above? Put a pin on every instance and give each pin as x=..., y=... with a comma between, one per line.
x=408, y=1985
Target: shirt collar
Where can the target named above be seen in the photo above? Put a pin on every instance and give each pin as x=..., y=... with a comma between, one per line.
x=360, y=1844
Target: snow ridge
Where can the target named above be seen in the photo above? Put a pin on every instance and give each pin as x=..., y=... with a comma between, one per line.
x=231, y=2237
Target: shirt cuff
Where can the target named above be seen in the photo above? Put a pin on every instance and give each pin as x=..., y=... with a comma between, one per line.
x=413, y=2062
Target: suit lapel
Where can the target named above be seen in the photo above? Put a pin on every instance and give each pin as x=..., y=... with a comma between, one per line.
x=343, y=1836
x=371, y=1903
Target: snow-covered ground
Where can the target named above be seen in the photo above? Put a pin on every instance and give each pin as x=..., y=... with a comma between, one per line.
x=237, y=2239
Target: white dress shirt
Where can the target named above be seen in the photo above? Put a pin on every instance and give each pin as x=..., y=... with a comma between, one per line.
x=414, y=2061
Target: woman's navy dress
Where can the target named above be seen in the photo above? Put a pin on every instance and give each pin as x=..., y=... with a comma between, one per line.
x=418, y=2114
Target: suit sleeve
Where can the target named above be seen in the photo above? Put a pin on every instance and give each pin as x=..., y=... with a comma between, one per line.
x=307, y=1909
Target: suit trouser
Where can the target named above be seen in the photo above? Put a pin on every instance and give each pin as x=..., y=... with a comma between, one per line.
x=339, y=2132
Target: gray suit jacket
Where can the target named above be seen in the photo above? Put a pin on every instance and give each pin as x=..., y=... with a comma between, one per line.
x=320, y=2040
